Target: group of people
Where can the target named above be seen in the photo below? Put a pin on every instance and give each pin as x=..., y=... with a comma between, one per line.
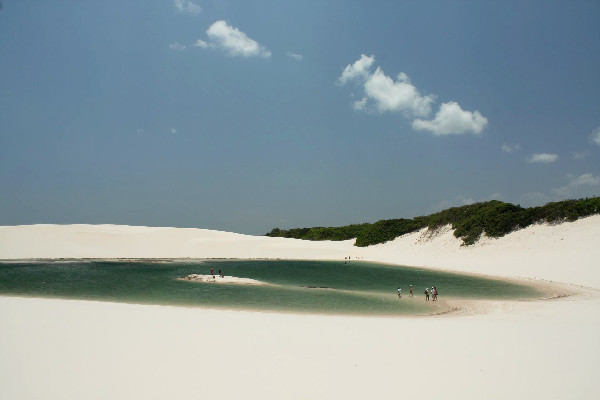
x=212, y=272
x=433, y=292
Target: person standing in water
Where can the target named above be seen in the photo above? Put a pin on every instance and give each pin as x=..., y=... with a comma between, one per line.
x=427, y=294
x=410, y=292
x=399, y=292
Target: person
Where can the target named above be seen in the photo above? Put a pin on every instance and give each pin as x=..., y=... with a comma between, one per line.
x=410, y=293
x=212, y=272
x=399, y=292
x=435, y=293
x=427, y=294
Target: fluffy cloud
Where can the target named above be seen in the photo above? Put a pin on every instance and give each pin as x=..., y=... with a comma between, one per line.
x=187, y=7
x=585, y=185
x=294, y=56
x=400, y=95
x=511, y=147
x=595, y=136
x=385, y=94
x=201, y=43
x=232, y=41
x=579, y=185
x=451, y=119
x=543, y=158
x=360, y=69
x=177, y=46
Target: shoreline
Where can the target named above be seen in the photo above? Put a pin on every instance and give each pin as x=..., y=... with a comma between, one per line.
x=72, y=349
x=454, y=306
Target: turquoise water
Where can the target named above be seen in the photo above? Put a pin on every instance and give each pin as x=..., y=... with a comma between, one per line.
x=298, y=286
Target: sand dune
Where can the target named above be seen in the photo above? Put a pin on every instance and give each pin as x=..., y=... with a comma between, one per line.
x=566, y=252
x=60, y=349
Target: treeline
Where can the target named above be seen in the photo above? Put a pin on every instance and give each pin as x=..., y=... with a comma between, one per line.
x=495, y=218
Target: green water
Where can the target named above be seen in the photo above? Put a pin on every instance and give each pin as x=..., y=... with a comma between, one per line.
x=298, y=286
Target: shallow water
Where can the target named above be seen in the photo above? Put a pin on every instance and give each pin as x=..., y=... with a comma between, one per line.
x=297, y=286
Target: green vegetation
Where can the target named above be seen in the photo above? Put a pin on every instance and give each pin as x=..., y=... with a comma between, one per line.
x=495, y=218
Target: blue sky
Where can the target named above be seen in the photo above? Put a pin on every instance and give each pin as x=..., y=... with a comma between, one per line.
x=249, y=115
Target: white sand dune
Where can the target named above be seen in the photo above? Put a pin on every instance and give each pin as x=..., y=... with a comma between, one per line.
x=61, y=349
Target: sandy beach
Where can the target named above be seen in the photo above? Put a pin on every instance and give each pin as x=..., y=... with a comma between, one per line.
x=64, y=349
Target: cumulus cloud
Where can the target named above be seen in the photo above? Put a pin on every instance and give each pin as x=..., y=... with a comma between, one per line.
x=360, y=69
x=511, y=147
x=584, y=185
x=294, y=56
x=579, y=185
x=452, y=119
x=177, y=46
x=187, y=7
x=232, y=41
x=595, y=136
x=201, y=43
x=543, y=158
x=386, y=94
x=382, y=91
x=400, y=95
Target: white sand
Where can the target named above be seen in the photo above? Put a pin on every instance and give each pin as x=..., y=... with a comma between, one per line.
x=60, y=349
x=221, y=279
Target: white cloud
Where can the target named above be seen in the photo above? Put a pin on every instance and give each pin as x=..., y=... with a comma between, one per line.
x=580, y=156
x=511, y=147
x=177, y=46
x=585, y=180
x=201, y=43
x=232, y=41
x=383, y=91
x=579, y=185
x=173, y=130
x=584, y=185
x=187, y=7
x=595, y=136
x=360, y=69
x=451, y=119
x=360, y=104
x=384, y=94
x=543, y=158
x=294, y=56
x=401, y=95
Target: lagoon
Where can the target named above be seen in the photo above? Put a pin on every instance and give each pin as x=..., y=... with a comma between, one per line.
x=320, y=287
